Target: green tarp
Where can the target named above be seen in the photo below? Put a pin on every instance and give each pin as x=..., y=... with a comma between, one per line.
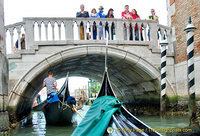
x=98, y=117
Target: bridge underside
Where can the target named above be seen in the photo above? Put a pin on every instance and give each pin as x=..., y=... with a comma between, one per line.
x=129, y=78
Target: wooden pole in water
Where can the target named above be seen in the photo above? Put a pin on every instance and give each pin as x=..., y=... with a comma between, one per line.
x=191, y=75
x=163, y=77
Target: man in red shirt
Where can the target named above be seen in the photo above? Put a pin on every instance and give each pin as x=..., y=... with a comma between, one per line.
x=126, y=14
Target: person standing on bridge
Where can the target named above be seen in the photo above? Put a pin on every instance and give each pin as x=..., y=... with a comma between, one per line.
x=101, y=15
x=110, y=15
x=127, y=15
x=94, y=26
x=22, y=43
x=136, y=16
x=153, y=16
x=51, y=84
x=83, y=14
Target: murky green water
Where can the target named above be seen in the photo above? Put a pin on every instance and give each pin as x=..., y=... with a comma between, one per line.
x=38, y=126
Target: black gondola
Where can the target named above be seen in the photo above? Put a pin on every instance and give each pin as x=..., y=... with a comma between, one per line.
x=124, y=120
x=128, y=124
x=56, y=113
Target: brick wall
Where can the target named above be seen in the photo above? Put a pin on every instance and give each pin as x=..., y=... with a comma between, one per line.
x=184, y=9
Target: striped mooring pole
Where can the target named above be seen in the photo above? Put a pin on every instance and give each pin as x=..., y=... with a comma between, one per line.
x=163, y=44
x=191, y=75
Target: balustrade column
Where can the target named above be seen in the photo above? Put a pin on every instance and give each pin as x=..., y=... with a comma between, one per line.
x=85, y=30
x=104, y=33
x=66, y=34
x=133, y=30
x=97, y=30
x=145, y=32
x=11, y=38
x=53, y=31
x=128, y=31
x=162, y=34
x=59, y=31
x=110, y=34
x=40, y=31
x=139, y=32
x=19, y=38
x=79, y=31
x=91, y=28
x=46, y=31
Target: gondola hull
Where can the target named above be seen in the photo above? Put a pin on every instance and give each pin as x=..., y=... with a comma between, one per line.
x=55, y=114
x=124, y=120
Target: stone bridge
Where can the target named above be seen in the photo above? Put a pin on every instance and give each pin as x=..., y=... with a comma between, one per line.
x=54, y=43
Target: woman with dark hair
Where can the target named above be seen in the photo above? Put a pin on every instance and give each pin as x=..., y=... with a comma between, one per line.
x=110, y=15
x=136, y=16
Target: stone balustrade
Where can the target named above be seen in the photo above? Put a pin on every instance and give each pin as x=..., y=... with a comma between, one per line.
x=48, y=31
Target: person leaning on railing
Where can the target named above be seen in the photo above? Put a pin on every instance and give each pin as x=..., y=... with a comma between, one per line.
x=94, y=15
x=101, y=15
x=136, y=16
x=153, y=16
x=126, y=15
x=22, y=43
x=83, y=14
x=110, y=15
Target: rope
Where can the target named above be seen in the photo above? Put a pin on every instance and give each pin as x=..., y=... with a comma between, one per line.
x=74, y=109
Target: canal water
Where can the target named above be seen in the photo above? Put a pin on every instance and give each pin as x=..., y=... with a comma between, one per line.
x=38, y=126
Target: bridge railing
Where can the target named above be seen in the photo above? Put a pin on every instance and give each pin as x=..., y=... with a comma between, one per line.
x=51, y=31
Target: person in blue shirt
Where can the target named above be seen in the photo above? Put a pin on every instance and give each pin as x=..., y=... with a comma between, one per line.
x=101, y=15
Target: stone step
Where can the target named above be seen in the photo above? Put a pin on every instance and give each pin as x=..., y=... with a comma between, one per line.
x=19, y=53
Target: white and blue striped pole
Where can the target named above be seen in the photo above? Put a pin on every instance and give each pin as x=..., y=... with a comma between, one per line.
x=163, y=76
x=191, y=75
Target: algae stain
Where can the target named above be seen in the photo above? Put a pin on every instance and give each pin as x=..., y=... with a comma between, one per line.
x=12, y=66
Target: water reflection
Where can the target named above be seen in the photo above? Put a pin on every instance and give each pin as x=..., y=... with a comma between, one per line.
x=39, y=123
x=38, y=126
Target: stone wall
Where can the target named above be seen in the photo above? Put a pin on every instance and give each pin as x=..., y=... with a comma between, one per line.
x=4, y=121
x=181, y=77
x=179, y=11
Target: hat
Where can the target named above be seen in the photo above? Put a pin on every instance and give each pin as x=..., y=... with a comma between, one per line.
x=101, y=7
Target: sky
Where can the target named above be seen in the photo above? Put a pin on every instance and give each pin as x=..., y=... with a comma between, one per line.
x=15, y=10
x=74, y=83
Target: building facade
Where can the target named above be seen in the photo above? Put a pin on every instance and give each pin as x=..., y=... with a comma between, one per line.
x=178, y=13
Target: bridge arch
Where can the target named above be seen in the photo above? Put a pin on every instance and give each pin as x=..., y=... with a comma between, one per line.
x=130, y=74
